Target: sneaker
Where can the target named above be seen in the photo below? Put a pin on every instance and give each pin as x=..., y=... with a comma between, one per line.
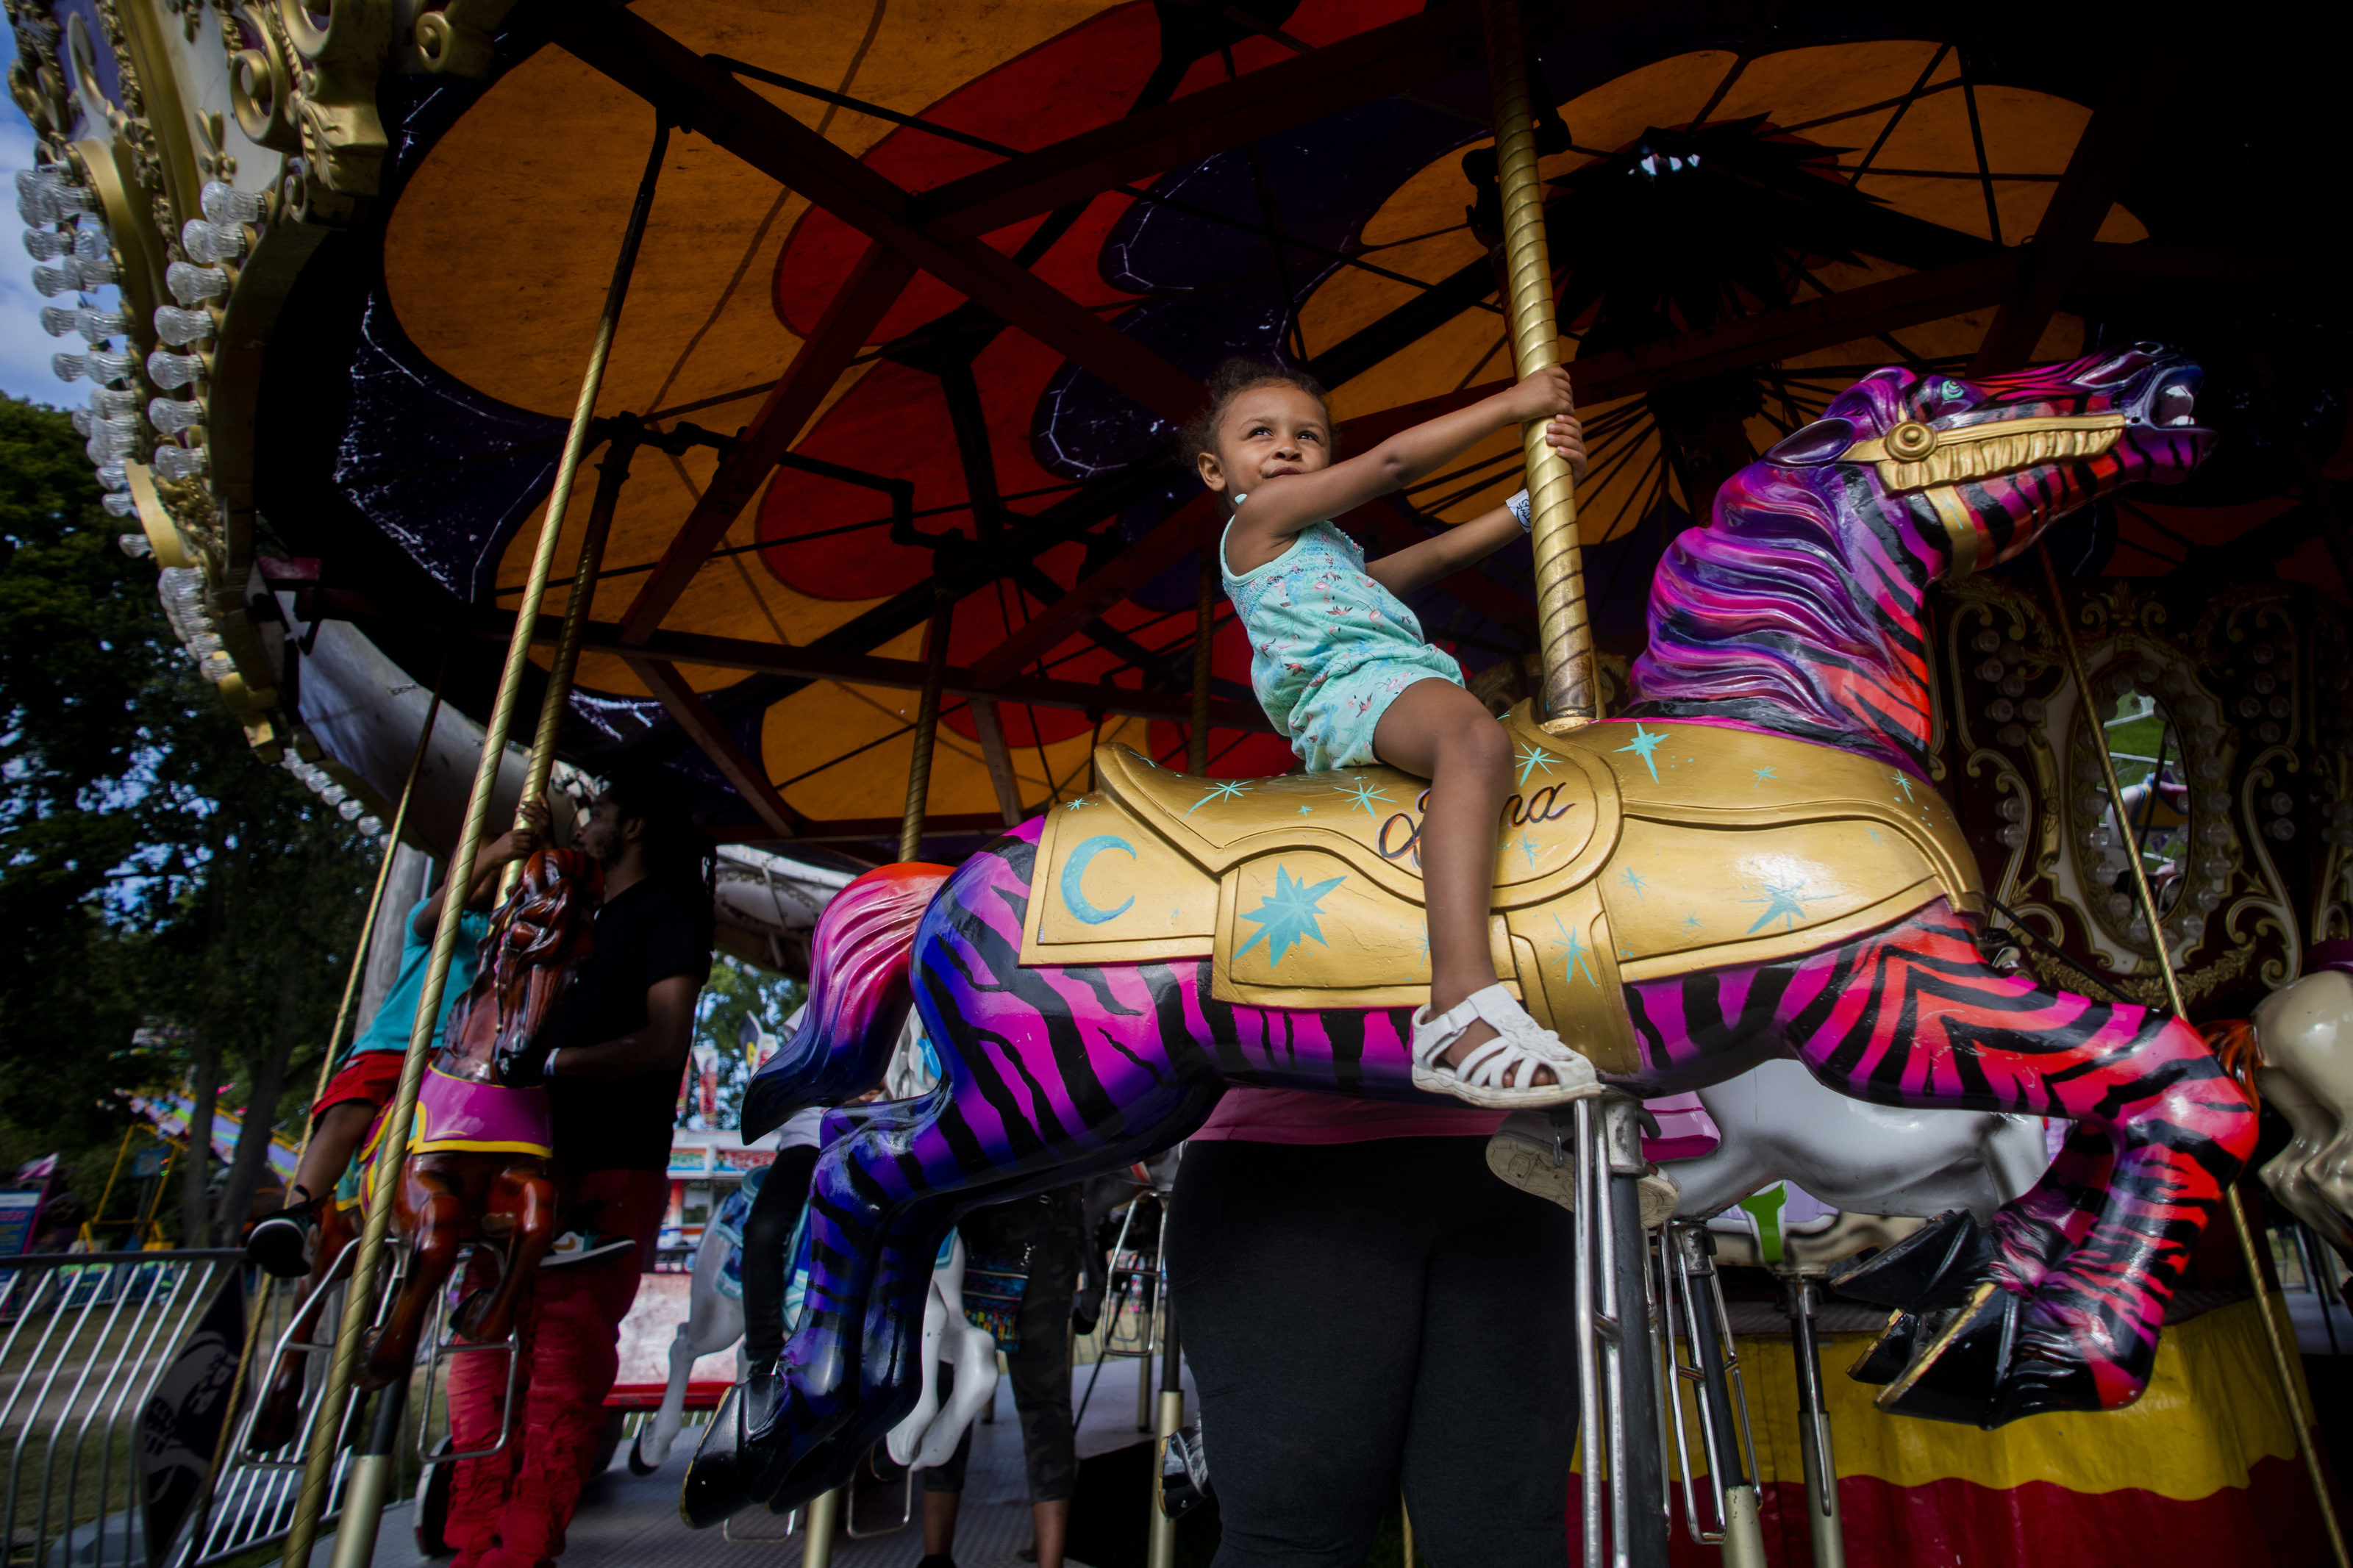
x=1527, y=1152
x=283, y=1244
x=583, y=1243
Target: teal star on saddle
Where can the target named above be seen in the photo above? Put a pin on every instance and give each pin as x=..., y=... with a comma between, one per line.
x=1528, y=847
x=1901, y=781
x=1533, y=758
x=1782, y=900
x=1760, y=775
x=1286, y=917
x=1227, y=790
x=1574, y=955
x=1643, y=745
x=1690, y=922
x=1634, y=880
x=1362, y=793
x=1079, y=805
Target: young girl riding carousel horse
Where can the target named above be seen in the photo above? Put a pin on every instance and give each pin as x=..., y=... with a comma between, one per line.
x=1340, y=665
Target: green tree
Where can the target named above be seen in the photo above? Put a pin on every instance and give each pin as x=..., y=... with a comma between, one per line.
x=150, y=865
x=737, y=992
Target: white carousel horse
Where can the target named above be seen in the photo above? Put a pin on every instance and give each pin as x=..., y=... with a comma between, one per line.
x=715, y=1316
x=929, y=1433
x=1777, y=1123
x=1836, y=1159
x=714, y=1321
x=2305, y=1035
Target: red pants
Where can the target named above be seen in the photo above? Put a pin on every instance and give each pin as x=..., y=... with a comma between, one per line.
x=509, y=1511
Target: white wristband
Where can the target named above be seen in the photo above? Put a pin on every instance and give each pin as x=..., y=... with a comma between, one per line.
x=547, y=1067
x=1525, y=510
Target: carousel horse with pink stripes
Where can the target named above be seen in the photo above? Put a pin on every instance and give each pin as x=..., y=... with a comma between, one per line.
x=1800, y=613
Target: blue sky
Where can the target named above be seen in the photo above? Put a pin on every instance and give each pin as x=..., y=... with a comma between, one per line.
x=25, y=349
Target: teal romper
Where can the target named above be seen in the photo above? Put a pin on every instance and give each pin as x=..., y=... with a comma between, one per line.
x=1330, y=648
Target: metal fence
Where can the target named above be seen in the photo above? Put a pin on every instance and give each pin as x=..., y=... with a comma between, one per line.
x=87, y=1339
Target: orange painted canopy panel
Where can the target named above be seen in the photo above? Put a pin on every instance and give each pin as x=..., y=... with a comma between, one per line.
x=954, y=449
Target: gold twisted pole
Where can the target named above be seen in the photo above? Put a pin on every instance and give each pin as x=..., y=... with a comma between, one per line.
x=392, y=1150
x=2280, y=1365
x=1205, y=610
x=376, y=907
x=326, y=1074
x=1570, y=695
x=620, y=450
x=927, y=730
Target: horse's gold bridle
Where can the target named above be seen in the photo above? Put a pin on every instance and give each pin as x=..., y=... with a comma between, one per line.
x=1913, y=455
x=1917, y=457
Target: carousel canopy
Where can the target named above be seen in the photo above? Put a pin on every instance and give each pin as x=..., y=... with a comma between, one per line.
x=925, y=290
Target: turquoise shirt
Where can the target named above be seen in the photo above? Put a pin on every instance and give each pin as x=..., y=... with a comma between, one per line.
x=389, y=1030
x=1330, y=647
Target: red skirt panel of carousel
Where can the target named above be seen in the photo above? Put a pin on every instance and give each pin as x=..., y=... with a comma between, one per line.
x=2203, y=1468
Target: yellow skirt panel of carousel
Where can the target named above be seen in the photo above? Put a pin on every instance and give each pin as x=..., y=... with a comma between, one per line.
x=1627, y=852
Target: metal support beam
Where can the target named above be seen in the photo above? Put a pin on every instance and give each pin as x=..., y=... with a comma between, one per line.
x=927, y=729
x=1377, y=63
x=1205, y=627
x=892, y=673
x=2104, y=154
x=872, y=288
x=999, y=761
x=707, y=100
x=750, y=779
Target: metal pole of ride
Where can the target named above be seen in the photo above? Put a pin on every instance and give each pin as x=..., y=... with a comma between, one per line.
x=393, y=1150
x=375, y=906
x=1618, y=1383
x=819, y=1521
x=1822, y=1521
x=927, y=729
x=1570, y=697
x=611, y=475
x=1196, y=739
x=2281, y=1363
x=1160, y=1550
x=370, y=1488
x=326, y=1074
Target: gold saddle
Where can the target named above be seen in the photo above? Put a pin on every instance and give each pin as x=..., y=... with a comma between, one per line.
x=1628, y=851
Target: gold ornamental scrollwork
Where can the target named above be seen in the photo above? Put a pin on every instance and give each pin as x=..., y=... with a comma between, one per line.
x=335, y=67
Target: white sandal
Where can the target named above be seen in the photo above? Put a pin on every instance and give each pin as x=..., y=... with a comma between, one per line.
x=1499, y=1075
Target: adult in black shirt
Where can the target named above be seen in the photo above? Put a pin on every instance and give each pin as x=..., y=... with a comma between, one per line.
x=619, y=1042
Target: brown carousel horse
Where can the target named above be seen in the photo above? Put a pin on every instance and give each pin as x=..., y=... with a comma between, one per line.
x=478, y=1174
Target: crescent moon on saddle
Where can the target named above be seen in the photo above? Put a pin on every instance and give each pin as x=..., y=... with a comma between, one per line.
x=1074, y=898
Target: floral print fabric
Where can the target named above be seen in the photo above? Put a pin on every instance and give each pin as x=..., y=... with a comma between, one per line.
x=1330, y=648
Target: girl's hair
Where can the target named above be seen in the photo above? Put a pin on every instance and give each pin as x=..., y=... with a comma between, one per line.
x=675, y=847
x=1229, y=380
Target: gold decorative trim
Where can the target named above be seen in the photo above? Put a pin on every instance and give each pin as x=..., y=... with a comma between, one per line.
x=1979, y=451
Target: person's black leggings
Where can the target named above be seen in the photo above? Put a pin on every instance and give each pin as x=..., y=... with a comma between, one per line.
x=767, y=1232
x=1366, y=1318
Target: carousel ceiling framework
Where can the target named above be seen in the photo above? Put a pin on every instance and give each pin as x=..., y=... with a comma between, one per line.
x=998, y=259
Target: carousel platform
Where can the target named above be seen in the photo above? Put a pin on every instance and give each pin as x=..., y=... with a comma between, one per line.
x=626, y=1520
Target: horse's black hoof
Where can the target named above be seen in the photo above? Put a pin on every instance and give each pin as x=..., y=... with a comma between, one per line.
x=1890, y=1353
x=718, y=1487
x=1960, y=1357
x=2036, y=1385
x=1935, y=1267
